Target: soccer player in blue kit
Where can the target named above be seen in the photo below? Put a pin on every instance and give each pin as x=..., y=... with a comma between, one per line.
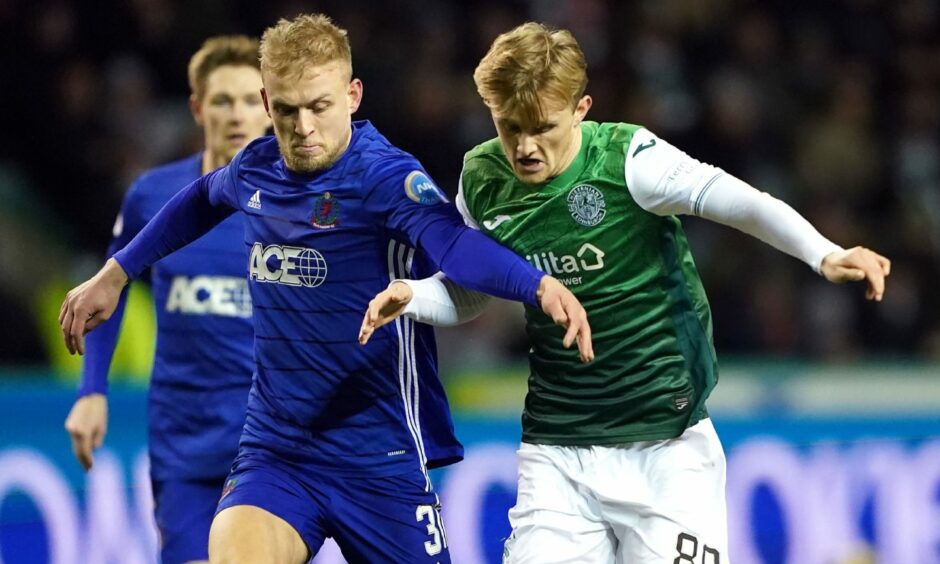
x=202, y=364
x=338, y=437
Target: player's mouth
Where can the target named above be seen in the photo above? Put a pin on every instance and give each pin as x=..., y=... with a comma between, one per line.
x=237, y=138
x=530, y=165
x=312, y=149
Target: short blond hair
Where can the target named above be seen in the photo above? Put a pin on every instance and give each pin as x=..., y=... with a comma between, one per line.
x=309, y=39
x=220, y=51
x=529, y=61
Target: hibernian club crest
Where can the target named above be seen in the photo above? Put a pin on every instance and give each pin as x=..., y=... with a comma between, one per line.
x=586, y=204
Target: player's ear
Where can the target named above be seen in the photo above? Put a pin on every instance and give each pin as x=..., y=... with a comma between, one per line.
x=355, y=94
x=195, y=107
x=581, y=109
x=264, y=98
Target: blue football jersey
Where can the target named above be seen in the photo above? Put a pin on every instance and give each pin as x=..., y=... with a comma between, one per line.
x=320, y=246
x=203, y=360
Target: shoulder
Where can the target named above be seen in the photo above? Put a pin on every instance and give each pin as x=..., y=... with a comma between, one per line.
x=614, y=136
x=168, y=177
x=486, y=161
x=390, y=172
x=485, y=155
x=609, y=145
x=259, y=151
x=379, y=159
x=375, y=151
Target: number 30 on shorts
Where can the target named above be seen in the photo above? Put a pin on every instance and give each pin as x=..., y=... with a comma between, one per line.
x=687, y=546
x=438, y=535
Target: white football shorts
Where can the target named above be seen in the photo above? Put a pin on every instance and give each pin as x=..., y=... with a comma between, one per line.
x=636, y=503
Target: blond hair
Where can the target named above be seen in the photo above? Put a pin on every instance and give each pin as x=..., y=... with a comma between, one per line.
x=529, y=61
x=309, y=39
x=220, y=51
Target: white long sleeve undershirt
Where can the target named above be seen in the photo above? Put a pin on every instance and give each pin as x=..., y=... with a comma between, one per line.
x=439, y=301
x=664, y=181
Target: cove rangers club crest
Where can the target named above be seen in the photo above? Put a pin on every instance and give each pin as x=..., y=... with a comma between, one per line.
x=586, y=204
x=325, y=212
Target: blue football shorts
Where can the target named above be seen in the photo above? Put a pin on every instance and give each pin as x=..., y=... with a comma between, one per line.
x=372, y=519
x=184, y=510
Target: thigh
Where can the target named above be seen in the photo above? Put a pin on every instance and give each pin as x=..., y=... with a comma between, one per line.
x=550, y=537
x=553, y=520
x=266, y=514
x=389, y=519
x=183, y=511
x=246, y=534
x=679, y=512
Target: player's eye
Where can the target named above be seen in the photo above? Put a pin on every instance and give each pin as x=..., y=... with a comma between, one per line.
x=221, y=101
x=321, y=107
x=544, y=128
x=285, y=110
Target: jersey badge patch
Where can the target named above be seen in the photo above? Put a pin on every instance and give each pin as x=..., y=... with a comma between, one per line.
x=586, y=204
x=229, y=486
x=325, y=212
x=421, y=189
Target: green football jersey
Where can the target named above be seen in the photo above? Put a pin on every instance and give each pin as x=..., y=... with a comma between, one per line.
x=632, y=270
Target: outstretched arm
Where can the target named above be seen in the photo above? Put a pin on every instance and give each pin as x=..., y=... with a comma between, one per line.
x=190, y=214
x=414, y=206
x=441, y=302
x=666, y=181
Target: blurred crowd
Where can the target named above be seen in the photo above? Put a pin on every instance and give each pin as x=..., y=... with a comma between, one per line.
x=832, y=106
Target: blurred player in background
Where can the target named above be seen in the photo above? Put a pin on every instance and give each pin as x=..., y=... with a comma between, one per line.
x=338, y=437
x=619, y=460
x=202, y=366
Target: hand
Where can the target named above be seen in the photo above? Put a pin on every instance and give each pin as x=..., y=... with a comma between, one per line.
x=90, y=304
x=384, y=308
x=87, y=424
x=560, y=304
x=858, y=263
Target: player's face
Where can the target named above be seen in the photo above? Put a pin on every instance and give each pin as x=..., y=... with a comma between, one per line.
x=312, y=114
x=541, y=151
x=231, y=111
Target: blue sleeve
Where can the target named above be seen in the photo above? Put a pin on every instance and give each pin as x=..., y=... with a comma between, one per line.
x=100, y=344
x=414, y=206
x=194, y=211
x=99, y=350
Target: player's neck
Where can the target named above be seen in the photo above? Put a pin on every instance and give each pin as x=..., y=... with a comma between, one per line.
x=346, y=143
x=212, y=161
x=570, y=154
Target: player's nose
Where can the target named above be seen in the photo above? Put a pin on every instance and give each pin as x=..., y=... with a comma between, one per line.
x=304, y=125
x=238, y=111
x=525, y=146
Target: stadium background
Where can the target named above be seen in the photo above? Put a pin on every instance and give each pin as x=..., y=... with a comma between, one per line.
x=829, y=406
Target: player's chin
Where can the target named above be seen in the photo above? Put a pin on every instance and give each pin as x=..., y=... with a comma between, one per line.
x=230, y=151
x=530, y=177
x=307, y=163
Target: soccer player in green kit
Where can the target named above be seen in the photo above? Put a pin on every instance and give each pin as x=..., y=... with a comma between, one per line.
x=619, y=460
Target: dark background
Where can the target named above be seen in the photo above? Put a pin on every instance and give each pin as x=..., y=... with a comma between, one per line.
x=832, y=106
